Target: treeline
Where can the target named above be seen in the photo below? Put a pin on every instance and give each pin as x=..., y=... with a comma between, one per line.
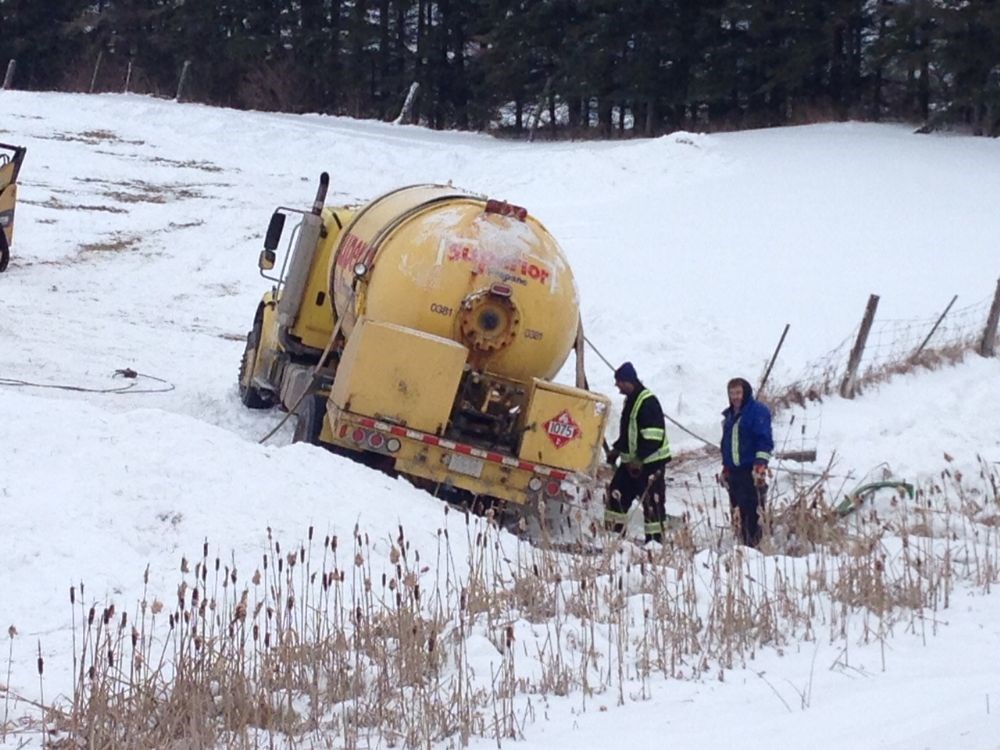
x=576, y=67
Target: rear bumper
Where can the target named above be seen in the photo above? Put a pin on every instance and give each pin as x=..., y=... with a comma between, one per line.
x=442, y=461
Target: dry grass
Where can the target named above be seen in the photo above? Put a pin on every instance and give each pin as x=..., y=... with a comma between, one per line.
x=117, y=243
x=828, y=382
x=336, y=643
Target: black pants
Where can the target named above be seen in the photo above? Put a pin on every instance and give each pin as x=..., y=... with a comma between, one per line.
x=747, y=501
x=649, y=485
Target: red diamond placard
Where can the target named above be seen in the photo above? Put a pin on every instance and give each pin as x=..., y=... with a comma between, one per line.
x=561, y=429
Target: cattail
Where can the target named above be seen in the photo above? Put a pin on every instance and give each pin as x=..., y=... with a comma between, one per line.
x=184, y=565
x=256, y=578
x=72, y=594
x=204, y=550
x=135, y=636
x=241, y=608
x=310, y=533
x=157, y=607
x=358, y=560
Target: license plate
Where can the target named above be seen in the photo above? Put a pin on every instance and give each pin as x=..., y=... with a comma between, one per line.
x=463, y=464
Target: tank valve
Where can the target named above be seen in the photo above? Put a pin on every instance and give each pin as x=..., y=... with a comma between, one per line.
x=488, y=320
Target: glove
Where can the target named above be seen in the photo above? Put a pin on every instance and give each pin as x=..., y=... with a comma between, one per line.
x=634, y=469
x=612, y=455
x=760, y=474
x=724, y=477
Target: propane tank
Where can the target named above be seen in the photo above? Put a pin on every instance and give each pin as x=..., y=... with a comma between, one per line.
x=481, y=272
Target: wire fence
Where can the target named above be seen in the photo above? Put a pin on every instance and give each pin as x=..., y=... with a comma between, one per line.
x=884, y=348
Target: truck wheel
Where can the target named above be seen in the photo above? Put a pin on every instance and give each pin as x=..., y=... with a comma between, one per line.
x=310, y=419
x=251, y=396
x=4, y=252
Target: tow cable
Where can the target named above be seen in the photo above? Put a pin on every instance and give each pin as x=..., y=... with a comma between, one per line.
x=125, y=372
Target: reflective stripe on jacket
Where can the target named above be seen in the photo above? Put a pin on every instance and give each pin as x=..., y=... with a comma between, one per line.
x=746, y=436
x=650, y=432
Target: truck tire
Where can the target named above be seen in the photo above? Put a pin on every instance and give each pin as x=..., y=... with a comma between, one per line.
x=4, y=252
x=251, y=396
x=310, y=419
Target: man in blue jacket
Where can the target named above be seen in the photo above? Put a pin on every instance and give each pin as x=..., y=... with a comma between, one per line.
x=644, y=451
x=746, y=449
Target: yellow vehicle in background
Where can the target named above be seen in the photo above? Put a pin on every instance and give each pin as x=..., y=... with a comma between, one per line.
x=11, y=158
x=421, y=333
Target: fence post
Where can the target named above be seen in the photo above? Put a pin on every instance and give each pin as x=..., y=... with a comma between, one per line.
x=933, y=328
x=767, y=372
x=406, y=111
x=8, y=80
x=987, y=347
x=97, y=68
x=847, y=386
x=180, y=83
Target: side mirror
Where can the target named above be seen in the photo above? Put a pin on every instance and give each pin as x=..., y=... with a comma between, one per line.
x=266, y=260
x=274, y=234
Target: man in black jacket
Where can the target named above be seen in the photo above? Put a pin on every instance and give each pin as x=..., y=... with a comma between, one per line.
x=644, y=451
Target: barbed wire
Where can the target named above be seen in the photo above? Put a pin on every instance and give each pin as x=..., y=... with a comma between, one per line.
x=893, y=345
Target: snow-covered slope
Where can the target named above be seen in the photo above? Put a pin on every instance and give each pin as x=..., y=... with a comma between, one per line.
x=138, y=228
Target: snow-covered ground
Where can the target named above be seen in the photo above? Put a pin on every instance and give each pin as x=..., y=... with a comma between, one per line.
x=138, y=228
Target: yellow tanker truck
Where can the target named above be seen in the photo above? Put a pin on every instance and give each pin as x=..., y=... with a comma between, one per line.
x=11, y=158
x=420, y=333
